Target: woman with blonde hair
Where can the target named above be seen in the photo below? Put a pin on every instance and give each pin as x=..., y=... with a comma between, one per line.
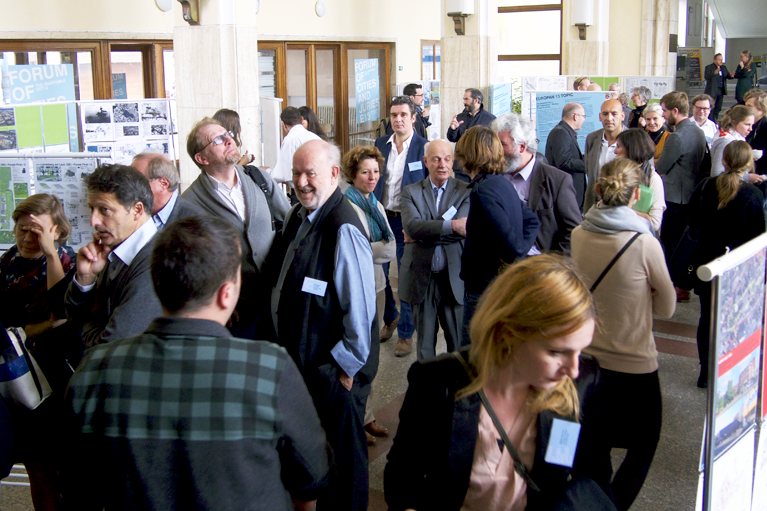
x=500, y=227
x=623, y=262
x=498, y=400
x=745, y=73
x=736, y=125
x=725, y=211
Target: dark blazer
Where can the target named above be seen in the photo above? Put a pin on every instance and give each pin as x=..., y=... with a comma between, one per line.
x=591, y=161
x=482, y=118
x=563, y=152
x=714, y=82
x=182, y=209
x=435, y=474
x=680, y=160
x=758, y=140
x=414, y=154
x=422, y=222
x=552, y=197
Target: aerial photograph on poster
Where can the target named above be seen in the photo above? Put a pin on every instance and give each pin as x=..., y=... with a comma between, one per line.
x=735, y=405
x=741, y=292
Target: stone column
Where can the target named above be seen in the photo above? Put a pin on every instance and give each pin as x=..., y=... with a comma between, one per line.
x=468, y=61
x=217, y=67
x=660, y=18
x=589, y=57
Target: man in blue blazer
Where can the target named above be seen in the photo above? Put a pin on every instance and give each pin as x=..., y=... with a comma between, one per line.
x=403, y=152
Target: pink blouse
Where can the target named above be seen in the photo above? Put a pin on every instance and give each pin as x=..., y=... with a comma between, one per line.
x=494, y=484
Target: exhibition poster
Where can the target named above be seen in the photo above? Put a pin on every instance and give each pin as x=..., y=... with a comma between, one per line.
x=35, y=128
x=733, y=478
x=15, y=186
x=548, y=113
x=366, y=83
x=738, y=350
x=759, y=498
x=658, y=85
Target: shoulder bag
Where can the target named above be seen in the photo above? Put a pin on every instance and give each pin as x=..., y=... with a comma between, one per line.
x=21, y=381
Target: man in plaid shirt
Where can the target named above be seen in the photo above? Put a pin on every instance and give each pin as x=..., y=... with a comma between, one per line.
x=184, y=416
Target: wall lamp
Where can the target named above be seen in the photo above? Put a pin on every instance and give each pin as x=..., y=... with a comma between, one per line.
x=582, y=16
x=190, y=10
x=459, y=10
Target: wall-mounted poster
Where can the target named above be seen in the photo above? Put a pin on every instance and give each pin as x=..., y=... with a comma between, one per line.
x=15, y=181
x=154, y=118
x=97, y=122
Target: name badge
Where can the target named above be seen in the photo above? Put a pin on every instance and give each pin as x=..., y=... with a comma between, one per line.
x=450, y=213
x=314, y=286
x=563, y=443
x=416, y=165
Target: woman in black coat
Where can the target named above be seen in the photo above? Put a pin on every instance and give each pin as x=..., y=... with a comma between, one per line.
x=525, y=361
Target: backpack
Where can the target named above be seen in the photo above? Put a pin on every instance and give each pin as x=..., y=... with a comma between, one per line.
x=383, y=128
x=257, y=175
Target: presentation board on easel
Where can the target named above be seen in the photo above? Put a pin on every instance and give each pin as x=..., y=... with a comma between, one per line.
x=548, y=113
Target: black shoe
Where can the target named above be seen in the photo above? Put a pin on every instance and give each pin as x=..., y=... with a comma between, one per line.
x=702, y=381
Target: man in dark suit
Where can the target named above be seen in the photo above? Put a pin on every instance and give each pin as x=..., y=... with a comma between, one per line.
x=474, y=114
x=546, y=190
x=434, y=215
x=678, y=165
x=403, y=152
x=563, y=151
x=716, y=76
x=163, y=178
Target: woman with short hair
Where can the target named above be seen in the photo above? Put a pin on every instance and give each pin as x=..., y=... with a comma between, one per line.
x=618, y=256
x=640, y=96
x=525, y=367
x=655, y=126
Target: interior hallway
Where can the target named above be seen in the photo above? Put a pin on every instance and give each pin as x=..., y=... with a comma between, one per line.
x=672, y=482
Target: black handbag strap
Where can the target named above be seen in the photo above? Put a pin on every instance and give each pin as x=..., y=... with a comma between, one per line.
x=518, y=465
x=612, y=263
x=256, y=175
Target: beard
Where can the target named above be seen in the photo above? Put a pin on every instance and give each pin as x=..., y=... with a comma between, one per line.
x=512, y=163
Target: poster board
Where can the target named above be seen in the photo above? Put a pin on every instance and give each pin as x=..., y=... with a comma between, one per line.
x=658, y=85
x=500, y=98
x=63, y=177
x=732, y=478
x=548, y=113
x=759, y=495
x=39, y=128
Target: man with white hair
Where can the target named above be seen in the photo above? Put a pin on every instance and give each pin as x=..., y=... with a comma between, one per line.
x=326, y=262
x=545, y=189
x=163, y=178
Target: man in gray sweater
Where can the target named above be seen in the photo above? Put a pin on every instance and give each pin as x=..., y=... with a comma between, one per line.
x=225, y=190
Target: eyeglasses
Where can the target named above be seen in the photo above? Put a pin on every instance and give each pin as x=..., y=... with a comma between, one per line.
x=218, y=140
x=418, y=95
x=704, y=108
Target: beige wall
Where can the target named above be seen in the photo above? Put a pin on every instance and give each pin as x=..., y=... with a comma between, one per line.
x=624, y=37
x=46, y=16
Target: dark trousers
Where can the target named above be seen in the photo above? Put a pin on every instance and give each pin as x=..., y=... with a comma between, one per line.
x=252, y=319
x=714, y=114
x=672, y=227
x=405, y=327
x=470, y=302
x=634, y=414
x=703, y=289
x=438, y=307
x=342, y=415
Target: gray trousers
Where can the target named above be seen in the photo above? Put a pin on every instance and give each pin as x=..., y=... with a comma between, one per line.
x=437, y=308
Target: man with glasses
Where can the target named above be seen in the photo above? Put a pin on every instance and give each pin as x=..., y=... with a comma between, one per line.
x=701, y=107
x=563, y=151
x=416, y=94
x=223, y=189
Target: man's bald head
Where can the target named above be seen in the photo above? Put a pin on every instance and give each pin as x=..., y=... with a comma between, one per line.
x=437, y=145
x=611, y=115
x=316, y=166
x=574, y=115
x=438, y=158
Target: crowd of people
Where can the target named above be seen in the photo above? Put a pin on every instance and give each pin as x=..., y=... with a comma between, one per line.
x=216, y=348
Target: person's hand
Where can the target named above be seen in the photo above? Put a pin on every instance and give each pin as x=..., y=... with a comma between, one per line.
x=408, y=239
x=246, y=158
x=45, y=236
x=455, y=123
x=741, y=64
x=91, y=259
x=346, y=380
x=755, y=178
x=425, y=113
x=642, y=122
x=718, y=69
x=459, y=226
x=732, y=75
x=643, y=215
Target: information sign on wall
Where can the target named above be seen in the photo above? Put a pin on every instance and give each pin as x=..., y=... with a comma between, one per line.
x=34, y=84
x=367, y=85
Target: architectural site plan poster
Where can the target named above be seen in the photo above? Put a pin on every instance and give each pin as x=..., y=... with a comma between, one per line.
x=15, y=186
x=738, y=350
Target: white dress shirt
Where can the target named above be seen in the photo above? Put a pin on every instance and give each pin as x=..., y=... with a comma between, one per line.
x=395, y=169
x=233, y=197
x=606, y=152
x=710, y=129
x=296, y=137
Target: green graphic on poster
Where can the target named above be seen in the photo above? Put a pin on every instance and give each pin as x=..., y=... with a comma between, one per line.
x=55, y=124
x=29, y=129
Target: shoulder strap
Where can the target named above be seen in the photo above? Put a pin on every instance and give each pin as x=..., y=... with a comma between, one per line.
x=257, y=177
x=612, y=263
x=518, y=465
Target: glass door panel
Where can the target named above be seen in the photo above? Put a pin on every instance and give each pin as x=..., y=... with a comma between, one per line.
x=364, y=133
x=129, y=64
x=326, y=97
x=296, y=67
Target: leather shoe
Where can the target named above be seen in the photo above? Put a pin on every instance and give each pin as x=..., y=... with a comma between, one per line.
x=403, y=347
x=376, y=429
x=703, y=381
x=371, y=438
x=388, y=330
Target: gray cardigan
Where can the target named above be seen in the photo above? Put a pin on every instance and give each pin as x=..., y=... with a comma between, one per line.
x=256, y=232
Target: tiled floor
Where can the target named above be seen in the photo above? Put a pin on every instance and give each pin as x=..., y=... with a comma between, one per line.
x=672, y=482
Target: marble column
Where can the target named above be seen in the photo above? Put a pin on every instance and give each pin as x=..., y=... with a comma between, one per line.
x=591, y=56
x=467, y=61
x=217, y=67
x=660, y=18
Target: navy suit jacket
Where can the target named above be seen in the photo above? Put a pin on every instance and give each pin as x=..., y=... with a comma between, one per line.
x=414, y=154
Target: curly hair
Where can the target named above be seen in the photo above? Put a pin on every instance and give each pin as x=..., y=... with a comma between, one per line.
x=351, y=161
